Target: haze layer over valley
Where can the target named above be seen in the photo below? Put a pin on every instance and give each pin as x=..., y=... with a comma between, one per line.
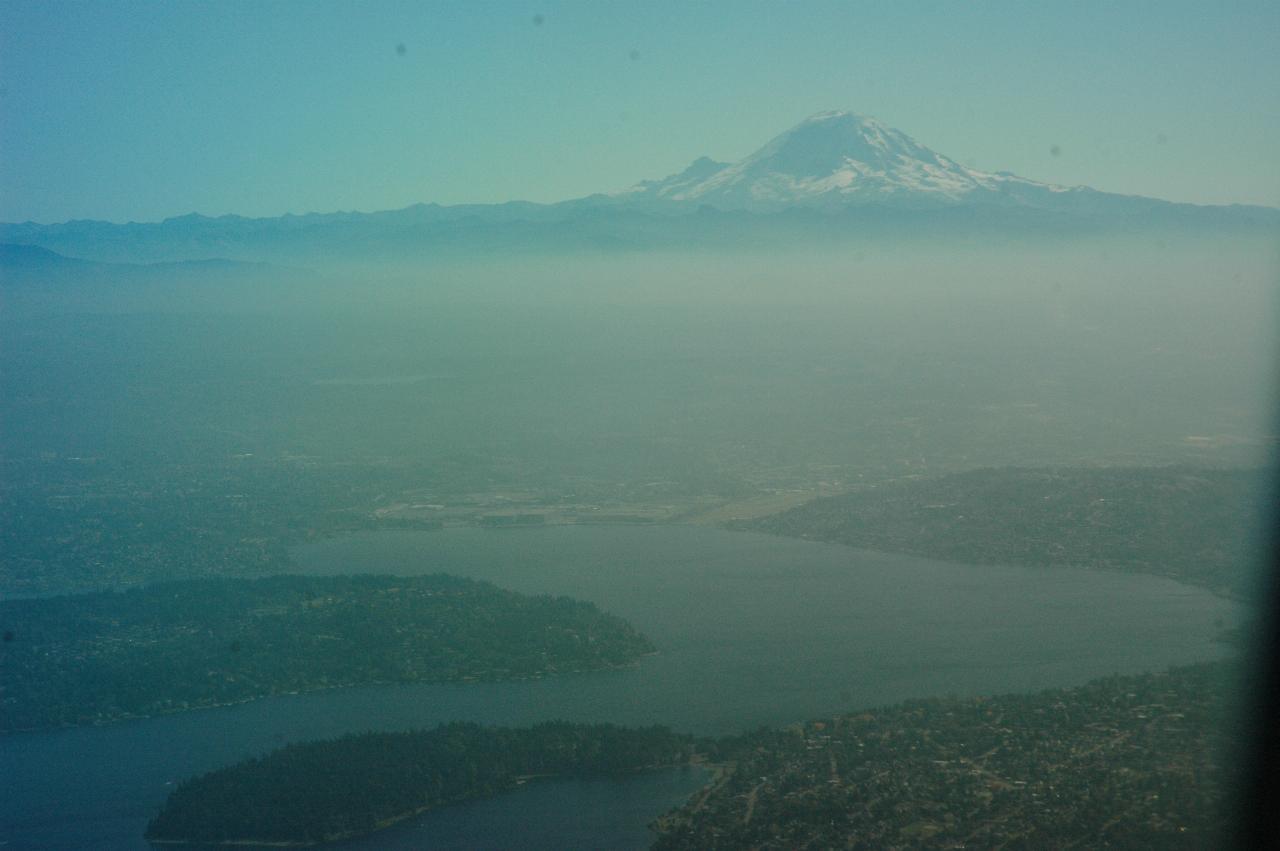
x=842, y=307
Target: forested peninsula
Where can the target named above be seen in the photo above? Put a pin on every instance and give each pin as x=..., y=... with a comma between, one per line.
x=314, y=792
x=100, y=657
x=1196, y=525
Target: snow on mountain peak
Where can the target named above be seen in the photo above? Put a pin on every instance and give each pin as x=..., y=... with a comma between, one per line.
x=835, y=158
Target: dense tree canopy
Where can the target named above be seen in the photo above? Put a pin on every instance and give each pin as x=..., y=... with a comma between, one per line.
x=98, y=657
x=320, y=791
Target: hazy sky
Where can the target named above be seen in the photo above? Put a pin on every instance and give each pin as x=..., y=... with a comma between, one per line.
x=144, y=110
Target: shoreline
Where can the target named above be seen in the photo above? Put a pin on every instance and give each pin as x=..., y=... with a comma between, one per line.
x=1217, y=591
x=468, y=680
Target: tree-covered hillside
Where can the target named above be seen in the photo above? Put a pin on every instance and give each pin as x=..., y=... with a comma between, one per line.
x=98, y=657
x=1195, y=525
x=321, y=791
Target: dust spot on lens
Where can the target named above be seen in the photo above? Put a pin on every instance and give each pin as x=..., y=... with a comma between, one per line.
x=537, y=20
x=1161, y=139
x=401, y=50
x=1055, y=150
x=8, y=635
x=635, y=55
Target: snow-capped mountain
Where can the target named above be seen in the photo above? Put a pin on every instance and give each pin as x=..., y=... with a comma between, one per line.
x=847, y=175
x=836, y=159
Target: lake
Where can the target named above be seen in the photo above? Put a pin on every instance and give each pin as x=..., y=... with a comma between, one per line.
x=750, y=629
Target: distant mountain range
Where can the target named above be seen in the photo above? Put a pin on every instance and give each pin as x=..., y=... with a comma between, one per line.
x=21, y=263
x=834, y=175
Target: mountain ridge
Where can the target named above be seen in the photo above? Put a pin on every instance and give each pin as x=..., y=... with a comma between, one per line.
x=858, y=172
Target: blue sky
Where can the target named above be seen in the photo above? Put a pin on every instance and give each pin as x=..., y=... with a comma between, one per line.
x=138, y=111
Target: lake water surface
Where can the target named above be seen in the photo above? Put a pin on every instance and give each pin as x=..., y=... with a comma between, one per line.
x=750, y=629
